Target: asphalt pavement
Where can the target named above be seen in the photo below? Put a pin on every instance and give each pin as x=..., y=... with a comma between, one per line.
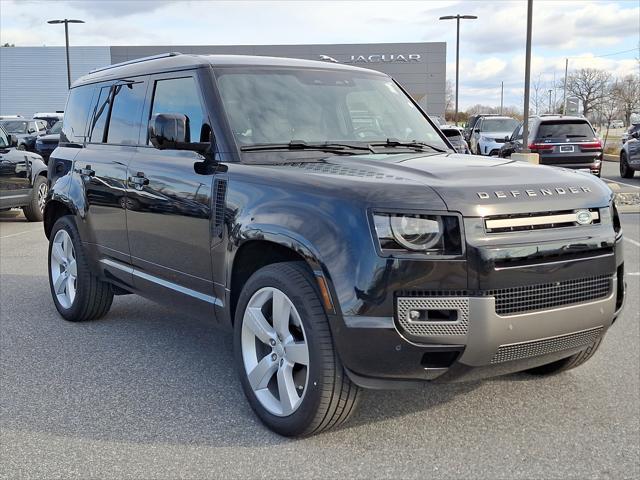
x=148, y=392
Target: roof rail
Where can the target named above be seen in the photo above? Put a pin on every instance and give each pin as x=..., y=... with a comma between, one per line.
x=137, y=60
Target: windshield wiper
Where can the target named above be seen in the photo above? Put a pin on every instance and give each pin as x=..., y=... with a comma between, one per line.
x=392, y=143
x=344, y=148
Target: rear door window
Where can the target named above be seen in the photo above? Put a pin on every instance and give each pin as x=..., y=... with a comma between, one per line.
x=565, y=129
x=99, y=122
x=124, y=123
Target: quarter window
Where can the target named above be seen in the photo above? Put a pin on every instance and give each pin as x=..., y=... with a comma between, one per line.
x=124, y=123
x=76, y=114
x=180, y=95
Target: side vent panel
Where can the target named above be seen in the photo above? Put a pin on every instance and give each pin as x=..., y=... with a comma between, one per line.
x=220, y=193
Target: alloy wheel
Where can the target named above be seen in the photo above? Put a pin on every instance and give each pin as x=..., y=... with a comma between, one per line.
x=64, y=270
x=275, y=351
x=43, y=189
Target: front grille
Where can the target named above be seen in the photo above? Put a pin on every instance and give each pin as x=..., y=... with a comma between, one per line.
x=518, y=351
x=499, y=140
x=549, y=295
x=541, y=220
x=431, y=328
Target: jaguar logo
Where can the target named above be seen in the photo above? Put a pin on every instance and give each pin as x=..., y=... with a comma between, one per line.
x=541, y=192
x=584, y=217
x=377, y=58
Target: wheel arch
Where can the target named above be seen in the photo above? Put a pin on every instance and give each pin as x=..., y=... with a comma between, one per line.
x=265, y=249
x=53, y=210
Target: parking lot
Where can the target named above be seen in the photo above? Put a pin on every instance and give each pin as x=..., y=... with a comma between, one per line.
x=150, y=393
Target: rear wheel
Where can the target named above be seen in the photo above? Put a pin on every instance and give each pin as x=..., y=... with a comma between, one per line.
x=478, y=151
x=289, y=369
x=625, y=170
x=34, y=211
x=77, y=293
x=566, y=363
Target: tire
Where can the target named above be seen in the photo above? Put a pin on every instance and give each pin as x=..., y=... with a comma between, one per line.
x=22, y=147
x=83, y=297
x=34, y=211
x=566, y=363
x=625, y=170
x=328, y=396
x=478, y=150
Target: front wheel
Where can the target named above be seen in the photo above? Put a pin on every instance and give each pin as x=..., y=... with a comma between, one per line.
x=625, y=170
x=77, y=293
x=288, y=366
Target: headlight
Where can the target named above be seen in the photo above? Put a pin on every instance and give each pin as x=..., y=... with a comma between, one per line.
x=427, y=234
x=486, y=139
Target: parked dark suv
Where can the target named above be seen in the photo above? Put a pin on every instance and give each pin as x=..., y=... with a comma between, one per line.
x=560, y=141
x=23, y=179
x=342, y=254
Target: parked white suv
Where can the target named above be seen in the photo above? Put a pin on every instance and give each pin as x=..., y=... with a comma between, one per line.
x=489, y=134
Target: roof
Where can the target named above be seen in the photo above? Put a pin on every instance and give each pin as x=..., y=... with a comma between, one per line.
x=175, y=61
x=552, y=118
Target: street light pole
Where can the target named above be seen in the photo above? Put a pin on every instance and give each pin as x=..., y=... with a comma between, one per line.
x=457, y=19
x=550, y=110
x=527, y=80
x=66, y=38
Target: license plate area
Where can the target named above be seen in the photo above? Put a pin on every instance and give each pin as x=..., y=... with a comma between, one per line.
x=567, y=148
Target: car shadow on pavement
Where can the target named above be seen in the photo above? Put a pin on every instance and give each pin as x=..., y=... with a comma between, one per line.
x=143, y=374
x=12, y=216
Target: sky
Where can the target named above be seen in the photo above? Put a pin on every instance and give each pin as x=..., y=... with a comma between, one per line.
x=491, y=48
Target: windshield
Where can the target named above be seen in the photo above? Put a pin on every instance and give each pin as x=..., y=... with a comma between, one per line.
x=451, y=133
x=57, y=127
x=564, y=129
x=277, y=106
x=499, y=125
x=15, y=126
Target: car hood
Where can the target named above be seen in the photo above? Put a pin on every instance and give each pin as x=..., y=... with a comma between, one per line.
x=498, y=135
x=50, y=137
x=476, y=186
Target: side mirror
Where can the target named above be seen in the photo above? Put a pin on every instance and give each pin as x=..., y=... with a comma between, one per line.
x=507, y=138
x=476, y=130
x=13, y=140
x=170, y=131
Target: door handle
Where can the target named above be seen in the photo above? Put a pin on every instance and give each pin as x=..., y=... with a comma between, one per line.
x=139, y=181
x=87, y=171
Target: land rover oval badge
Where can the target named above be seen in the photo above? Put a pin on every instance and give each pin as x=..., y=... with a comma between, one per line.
x=584, y=217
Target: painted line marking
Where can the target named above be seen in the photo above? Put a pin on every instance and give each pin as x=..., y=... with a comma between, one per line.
x=615, y=182
x=19, y=233
x=632, y=241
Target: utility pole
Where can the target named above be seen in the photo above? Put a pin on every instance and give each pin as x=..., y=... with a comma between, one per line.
x=501, y=96
x=564, y=98
x=527, y=80
x=66, y=38
x=457, y=19
x=550, y=109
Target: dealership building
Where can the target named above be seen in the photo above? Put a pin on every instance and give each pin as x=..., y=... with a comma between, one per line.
x=34, y=79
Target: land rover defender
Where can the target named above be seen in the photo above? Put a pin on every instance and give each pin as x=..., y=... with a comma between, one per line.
x=317, y=212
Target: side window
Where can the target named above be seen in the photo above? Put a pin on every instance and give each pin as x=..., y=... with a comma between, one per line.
x=180, y=95
x=32, y=127
x=76, y=114
x=42, y=125
x=124, y=123
x=99, y=121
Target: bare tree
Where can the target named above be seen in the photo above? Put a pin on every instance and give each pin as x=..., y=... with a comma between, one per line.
x=627, y=93
x=449, y=101
x=537, y=94
x=607, y=107
x=589, y=85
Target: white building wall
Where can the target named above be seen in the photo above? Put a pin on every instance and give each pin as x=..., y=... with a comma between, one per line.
x=34, y=79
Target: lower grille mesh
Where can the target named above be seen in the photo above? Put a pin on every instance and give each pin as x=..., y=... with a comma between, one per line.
x=426, y=329
x=549, y=295
x=518, y=351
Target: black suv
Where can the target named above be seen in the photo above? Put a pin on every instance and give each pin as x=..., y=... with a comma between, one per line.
x=316, y=211
x=560, y=141
x=23, y=179
x=25, y=131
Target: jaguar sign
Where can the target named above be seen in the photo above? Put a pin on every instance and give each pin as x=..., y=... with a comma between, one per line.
x=377, y=58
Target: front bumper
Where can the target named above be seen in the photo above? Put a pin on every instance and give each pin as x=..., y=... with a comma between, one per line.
x=489, y=148
x=488, y=344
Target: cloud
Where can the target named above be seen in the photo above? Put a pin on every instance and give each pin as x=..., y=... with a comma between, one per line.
x=117, y=8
